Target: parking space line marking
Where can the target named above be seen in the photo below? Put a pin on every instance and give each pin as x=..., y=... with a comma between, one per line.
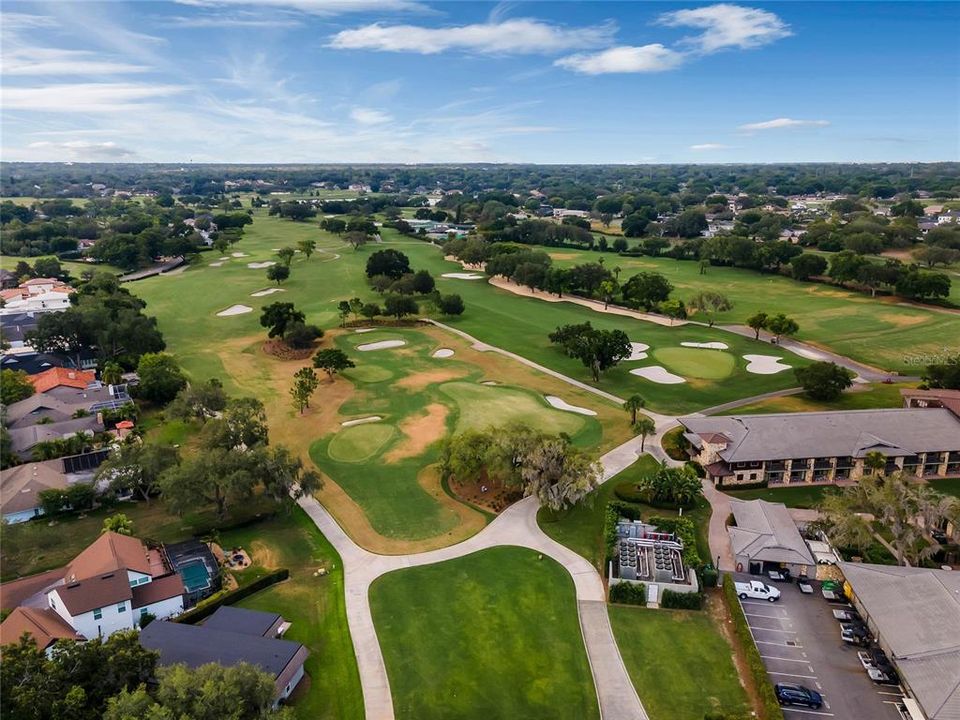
x=808, y=712
x=772, y=617
x=766, y=642
x=770, y=657
x=791, y=632
x=880, y=692
x=809, y=677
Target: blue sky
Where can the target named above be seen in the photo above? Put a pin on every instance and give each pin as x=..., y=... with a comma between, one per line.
x=418, y=81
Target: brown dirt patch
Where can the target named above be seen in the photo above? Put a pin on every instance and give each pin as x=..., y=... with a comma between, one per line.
x=279, y=349
x=418, y=381
x=420, y=432
x=491, y=496
x=263, y=555
x=902, y=320
x=563, y=256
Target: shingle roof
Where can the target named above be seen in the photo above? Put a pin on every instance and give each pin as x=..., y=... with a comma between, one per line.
x=249, y=622
x=765, y=531
x=916, y=612
x=196, y=645
x=42, y=624
x=899, y=431
x=24, y=438
x=108, y=553
x=162, y=588
x=95, y=592
x=61, y=376
x=19, y=486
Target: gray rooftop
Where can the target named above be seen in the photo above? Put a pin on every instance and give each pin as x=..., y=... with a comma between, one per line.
x=895, y=431
x=916, y=612
x=23, y=439
x=196, y=645
x=248, y=622
x=765, y=531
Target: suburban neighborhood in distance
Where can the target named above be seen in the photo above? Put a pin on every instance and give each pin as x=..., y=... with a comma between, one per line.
x=412, y=360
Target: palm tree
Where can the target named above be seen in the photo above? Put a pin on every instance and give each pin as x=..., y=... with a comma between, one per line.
x=902, y=507
x=633, y=405
x=118, y=523
x=644, y=426
x=875, y=462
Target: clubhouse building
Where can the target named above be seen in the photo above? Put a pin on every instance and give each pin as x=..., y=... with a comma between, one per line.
x=826, y=447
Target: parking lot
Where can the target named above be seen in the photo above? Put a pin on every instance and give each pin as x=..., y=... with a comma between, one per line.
x=799, y=641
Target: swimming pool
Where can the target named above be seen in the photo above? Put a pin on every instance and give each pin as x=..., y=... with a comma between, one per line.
x=195, y=576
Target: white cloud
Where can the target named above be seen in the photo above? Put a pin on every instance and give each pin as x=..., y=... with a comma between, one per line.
x=23, y=21
x=316, y=7
x=369, y=116
x=624, y=59
x=81, y=149
x=728, y=26
x=83, y=97
x=779, y=123
x=204, y=22
x=518, y=36
x=709, y=146
x=53, y=61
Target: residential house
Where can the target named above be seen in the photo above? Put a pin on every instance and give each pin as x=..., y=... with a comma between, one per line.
x=24, y=440
x=15, y=328
x=21, y=486
x=113, y=583
x=63, y=403
x=229, y=637
x=948, y=217
x=823, y=447
x=36, y=295
x=764, y=537
x=42, y=624
x=63, y=377
x=8, y=280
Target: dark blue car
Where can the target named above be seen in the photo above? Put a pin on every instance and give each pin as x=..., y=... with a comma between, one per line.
x=789, y=694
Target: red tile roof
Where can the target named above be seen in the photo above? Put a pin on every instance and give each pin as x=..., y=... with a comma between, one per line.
x=44, y=625
x=164, y=588
x=97, y=592
x=108, y=553
x=60, y=377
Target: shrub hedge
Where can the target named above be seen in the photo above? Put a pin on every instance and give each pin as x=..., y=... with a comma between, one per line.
x=770, y=707
x=681, y=601
x=684, y=529
x=628, y=593
x=615, y=511
x=204, y=610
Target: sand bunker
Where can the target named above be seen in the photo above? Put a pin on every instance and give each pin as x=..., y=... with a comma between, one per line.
x=489, y=382
x=239, y=254
x=765, y=364
x=463, y=276
x=361, y=421
x=235, y=310
x=707, y=345
x=268, y=291
x=382, y=345
x=419, y=433
x=443, y=353
x=260, y=265
x=363, y=330
x=638, y=351
x=216, y=264
x=658, y=374
x=564, y=405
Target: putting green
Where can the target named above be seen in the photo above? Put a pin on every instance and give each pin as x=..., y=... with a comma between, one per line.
x=368, y=374
x=484, y=405
x=359, y=443
x=697, y=362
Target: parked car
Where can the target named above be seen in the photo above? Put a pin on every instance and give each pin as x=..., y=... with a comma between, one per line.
x=790, y=694
x=847, y=615
x=757, y=590
x=883, y=676
x=854, y=633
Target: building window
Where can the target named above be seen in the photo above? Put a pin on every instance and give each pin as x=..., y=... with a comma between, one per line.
x=753, y=476
x=143, y=611
x=121, y=607
x=98, y=613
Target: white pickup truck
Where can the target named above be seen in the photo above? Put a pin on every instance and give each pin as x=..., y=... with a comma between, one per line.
x=756, y=589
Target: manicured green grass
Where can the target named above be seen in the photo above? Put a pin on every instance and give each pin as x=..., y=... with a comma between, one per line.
x=870, y=397
x=801, y=496
x=874, y=331
x=490, y=635
x=389, y=488
x=679, y=662
x=948, y=486
x=498, y=405
x=37, y=546
x=359, y=443
x=313, y=604
x=696, y=363
x=521, y=325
